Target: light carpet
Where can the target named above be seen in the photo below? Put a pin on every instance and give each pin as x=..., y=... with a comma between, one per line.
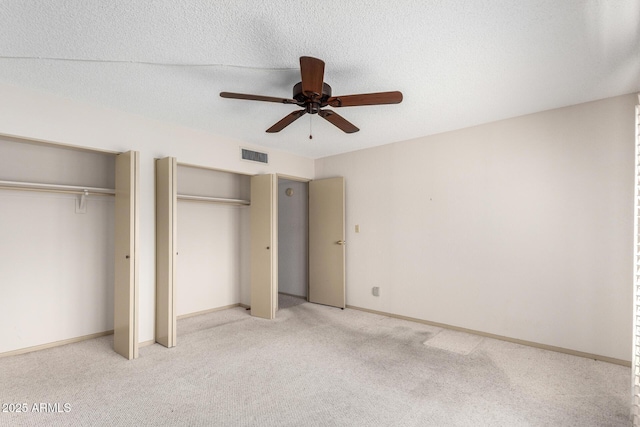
x=314, y=366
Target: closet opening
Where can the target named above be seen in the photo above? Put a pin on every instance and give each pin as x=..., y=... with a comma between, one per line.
x=212, y=230
x=57, y=248
x=202, y=243
x=293, y=242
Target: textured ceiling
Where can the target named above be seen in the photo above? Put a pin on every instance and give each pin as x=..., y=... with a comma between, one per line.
x=458, y=63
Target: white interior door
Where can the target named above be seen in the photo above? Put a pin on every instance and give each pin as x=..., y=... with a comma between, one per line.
x=166, y=250
x=327, y=242
x=264, y=250
x=125, y=320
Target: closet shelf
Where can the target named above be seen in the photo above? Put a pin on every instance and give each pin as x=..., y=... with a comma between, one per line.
x=214, y=199
x=54, y=188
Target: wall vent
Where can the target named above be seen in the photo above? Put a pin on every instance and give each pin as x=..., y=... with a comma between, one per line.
x=255, y=156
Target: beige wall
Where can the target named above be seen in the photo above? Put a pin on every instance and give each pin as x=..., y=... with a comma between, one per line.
x=521, y=228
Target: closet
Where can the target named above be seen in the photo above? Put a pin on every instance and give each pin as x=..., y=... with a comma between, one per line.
x=58, y=246
x=202, y=237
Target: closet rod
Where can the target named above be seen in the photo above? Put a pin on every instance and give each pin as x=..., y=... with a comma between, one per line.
x=54, y=188
x=214, y=199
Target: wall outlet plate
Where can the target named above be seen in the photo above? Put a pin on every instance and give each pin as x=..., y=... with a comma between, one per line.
x=375, y=291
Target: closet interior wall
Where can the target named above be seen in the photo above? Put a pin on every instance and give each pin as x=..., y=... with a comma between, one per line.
x=56, y=247
x=213, y=240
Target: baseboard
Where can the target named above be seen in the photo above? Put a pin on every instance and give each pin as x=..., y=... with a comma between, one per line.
x=54, y=344
x=293, y=295
x=146, y=343
x=211, y=310
x=502, y=338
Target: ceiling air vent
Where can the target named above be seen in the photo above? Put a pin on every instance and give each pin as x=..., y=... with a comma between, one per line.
x=255, y=156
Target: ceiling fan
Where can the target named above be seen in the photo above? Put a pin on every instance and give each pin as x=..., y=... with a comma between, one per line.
x=312, y=94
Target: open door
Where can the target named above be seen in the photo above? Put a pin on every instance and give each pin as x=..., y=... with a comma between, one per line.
x=264, y=250
x=125, y=319
x=166, y=250
x=326, y=242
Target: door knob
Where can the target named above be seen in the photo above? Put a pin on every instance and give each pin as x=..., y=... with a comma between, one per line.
x=341, y=242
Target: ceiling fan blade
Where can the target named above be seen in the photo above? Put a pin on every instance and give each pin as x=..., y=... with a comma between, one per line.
x=257, y=97
x=312, y=73
x=286, y=121
x=337, y=120
x=365, y=99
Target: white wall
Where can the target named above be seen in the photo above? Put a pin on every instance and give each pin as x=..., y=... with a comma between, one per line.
x=56, y=265
x=293, y=237
x=521, y=228
x=42, y=116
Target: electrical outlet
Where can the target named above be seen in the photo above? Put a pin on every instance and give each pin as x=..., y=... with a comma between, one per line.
x=357, y=228
x=375, y=291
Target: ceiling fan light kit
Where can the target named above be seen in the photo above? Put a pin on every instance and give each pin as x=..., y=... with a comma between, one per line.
x=312, y=94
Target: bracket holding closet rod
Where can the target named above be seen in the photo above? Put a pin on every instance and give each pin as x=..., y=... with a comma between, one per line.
x=81, y=202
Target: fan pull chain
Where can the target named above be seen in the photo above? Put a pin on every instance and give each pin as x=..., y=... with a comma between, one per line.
x=310, y=133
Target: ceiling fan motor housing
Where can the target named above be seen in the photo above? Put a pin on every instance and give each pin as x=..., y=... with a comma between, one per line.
x=311, y=105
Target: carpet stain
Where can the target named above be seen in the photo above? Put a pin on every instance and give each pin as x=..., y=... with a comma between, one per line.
x=454, y=341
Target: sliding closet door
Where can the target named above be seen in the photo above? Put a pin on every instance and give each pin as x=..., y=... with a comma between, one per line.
x=125, y=321
x=326, y=242
x=264, y=251
x=166, y=246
